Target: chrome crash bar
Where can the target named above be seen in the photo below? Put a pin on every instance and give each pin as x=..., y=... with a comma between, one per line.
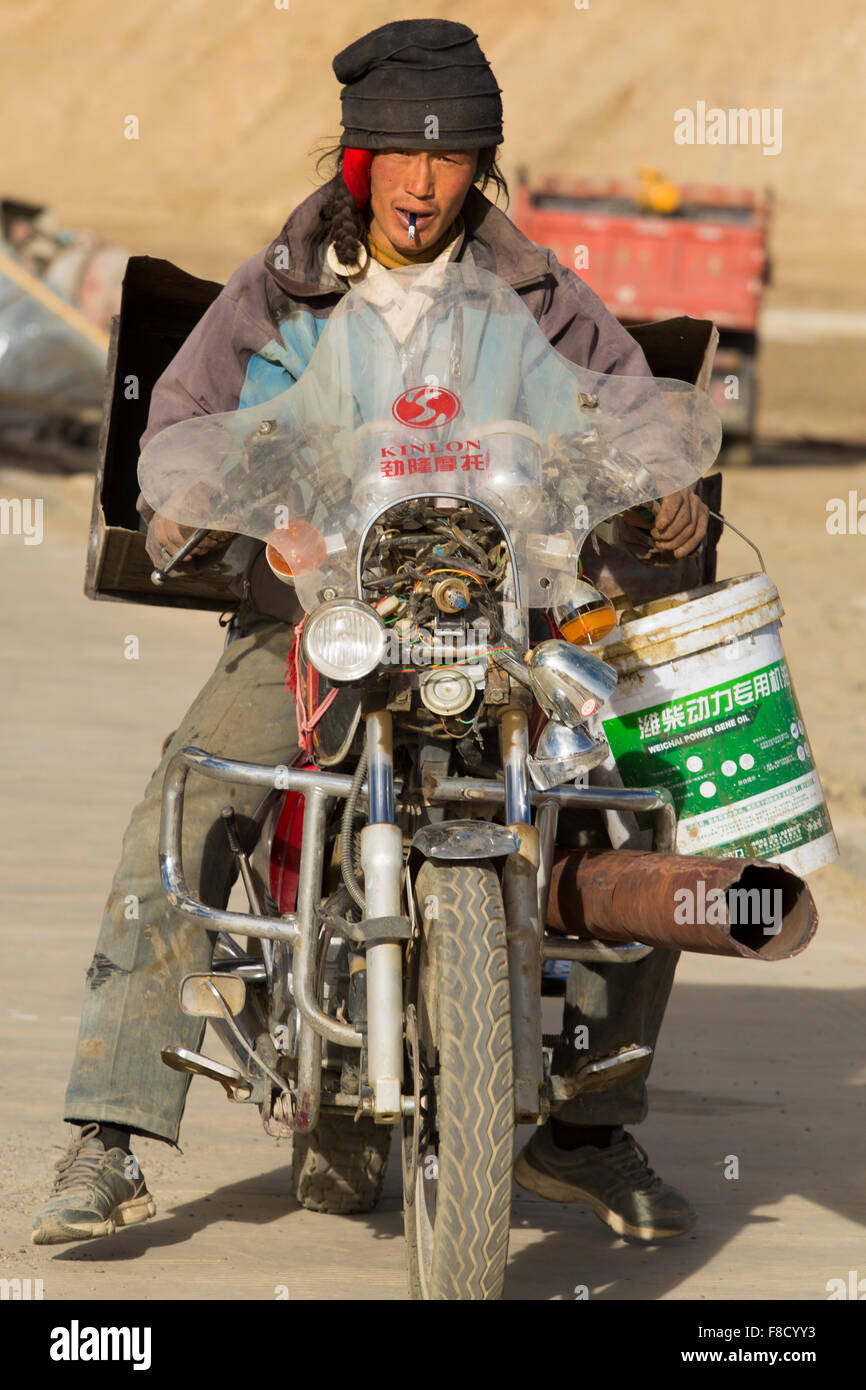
x=296, y=929
x=659, y=802
x=548, y=805
x=299, y=929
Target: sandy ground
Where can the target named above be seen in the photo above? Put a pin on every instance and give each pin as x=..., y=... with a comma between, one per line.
x=762, y=1063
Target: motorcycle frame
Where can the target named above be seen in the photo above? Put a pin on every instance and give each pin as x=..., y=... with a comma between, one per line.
x=525, y=876
x=525, y=879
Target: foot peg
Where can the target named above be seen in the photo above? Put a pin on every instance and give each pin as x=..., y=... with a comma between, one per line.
x=598, y=1073
x=236, y=1086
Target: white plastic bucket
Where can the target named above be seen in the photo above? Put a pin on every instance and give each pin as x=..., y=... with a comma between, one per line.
x=705, y=707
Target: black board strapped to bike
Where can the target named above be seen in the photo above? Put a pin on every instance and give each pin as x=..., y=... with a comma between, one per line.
x=160, y=307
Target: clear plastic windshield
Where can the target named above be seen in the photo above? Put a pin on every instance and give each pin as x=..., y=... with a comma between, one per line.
x=433, y=380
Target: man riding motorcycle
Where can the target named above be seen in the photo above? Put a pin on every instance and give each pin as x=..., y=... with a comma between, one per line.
x=422, y=122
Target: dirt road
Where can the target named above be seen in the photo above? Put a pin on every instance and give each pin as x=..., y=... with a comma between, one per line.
x=762, y=1064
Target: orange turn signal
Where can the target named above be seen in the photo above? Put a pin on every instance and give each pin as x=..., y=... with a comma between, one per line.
x=588, y=624
x=278, y=565
x=295, y=549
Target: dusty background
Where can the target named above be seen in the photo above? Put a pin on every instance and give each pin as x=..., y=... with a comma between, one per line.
x=765, y=1063
x=231, y=100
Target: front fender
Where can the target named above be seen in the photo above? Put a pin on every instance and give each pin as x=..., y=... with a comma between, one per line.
x=464, y=839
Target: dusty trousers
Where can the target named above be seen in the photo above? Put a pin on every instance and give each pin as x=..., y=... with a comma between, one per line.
x=615, y=1005
x=145, y=947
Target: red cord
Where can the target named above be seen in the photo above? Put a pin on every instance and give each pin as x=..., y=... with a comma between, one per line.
x=295, y=683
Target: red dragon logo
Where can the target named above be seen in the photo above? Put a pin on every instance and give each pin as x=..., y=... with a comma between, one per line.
x=425, y=407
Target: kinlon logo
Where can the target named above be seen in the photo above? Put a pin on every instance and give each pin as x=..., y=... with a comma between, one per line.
x=426, y=407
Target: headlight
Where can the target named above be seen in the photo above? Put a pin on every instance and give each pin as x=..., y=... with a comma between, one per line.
x=344, y=639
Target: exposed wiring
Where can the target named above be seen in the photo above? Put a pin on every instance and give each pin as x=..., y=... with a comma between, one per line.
x=462, y=661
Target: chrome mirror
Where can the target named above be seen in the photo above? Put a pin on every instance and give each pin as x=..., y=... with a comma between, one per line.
x=569, y=684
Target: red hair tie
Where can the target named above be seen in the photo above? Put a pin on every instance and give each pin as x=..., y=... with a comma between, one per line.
x=356, y=174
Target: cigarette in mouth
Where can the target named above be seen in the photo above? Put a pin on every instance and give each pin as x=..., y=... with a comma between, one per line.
x=412, y=221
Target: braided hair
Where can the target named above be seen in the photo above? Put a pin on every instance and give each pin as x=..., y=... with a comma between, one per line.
x=342, y=222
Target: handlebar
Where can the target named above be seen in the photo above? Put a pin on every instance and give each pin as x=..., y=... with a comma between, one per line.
x=159, y=576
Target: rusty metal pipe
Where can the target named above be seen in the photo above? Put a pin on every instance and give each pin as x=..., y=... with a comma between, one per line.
x=721, y=907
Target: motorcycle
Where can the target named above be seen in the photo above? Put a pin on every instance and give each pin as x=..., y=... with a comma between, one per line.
x=427, y=487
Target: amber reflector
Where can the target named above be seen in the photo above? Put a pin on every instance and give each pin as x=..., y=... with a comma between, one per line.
x=277, y=563
x=583, y=626
x=295, y=549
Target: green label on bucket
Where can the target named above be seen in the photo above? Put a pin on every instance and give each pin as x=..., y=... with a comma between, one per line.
x=777, y=839
x=736, y=760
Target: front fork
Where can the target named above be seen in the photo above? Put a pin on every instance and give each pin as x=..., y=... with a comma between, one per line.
x=524, y=900
x=382, y=862
x=523, y=896
x=524, y=912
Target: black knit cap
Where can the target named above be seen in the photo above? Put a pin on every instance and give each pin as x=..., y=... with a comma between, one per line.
x=398, y=77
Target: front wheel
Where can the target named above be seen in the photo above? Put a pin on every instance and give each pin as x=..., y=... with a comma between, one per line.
x=458, y=1146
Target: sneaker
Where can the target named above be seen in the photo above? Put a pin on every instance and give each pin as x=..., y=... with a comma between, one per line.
x=92, y=1194
x=617, y=1182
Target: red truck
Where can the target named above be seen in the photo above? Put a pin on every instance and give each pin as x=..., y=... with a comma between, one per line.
x=658, y=250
